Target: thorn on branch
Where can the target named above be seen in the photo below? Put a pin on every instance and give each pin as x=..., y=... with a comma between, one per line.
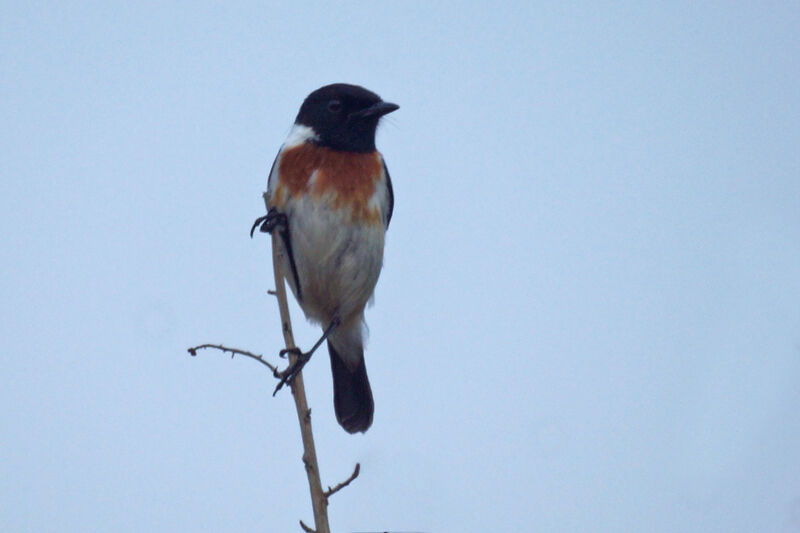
x=331, y=491
x=306, y=528
x=308, y=463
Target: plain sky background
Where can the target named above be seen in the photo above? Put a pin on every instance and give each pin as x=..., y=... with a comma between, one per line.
x=589, y=314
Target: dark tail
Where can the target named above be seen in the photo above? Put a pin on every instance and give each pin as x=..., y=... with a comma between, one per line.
x=352, y=396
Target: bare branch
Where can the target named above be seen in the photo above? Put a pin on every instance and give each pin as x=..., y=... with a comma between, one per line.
x=235, y=351
x=331, y=491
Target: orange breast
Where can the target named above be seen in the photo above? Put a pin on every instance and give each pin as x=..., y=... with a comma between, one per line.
x=346, y=179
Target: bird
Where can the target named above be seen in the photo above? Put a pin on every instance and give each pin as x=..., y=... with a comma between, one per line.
x=330, y=197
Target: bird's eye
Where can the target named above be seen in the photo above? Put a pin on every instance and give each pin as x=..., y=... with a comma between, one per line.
x=334, y=106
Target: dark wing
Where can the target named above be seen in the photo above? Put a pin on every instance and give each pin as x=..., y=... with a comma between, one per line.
x=391, y=193
x=287, y=245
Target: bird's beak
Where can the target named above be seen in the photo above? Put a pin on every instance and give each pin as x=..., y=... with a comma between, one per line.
x=376, y=110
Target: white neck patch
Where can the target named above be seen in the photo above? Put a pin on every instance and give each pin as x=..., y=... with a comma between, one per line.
x=298, y=135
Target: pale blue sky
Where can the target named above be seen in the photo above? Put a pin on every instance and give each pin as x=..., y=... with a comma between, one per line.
x=589, y=315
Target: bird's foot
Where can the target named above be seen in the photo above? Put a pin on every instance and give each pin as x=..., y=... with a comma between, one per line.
x=301, y=358
x=273, y=219
x=286, y=377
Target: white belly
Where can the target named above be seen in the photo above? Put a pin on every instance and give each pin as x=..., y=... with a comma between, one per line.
x=338, y=262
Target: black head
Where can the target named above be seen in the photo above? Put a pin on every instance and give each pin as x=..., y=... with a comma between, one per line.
x=344, y=117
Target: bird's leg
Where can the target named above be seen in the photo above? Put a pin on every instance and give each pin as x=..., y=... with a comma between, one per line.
x=273, y=219
x=288, y=375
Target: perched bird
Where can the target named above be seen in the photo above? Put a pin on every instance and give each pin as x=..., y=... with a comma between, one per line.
x=330, y=198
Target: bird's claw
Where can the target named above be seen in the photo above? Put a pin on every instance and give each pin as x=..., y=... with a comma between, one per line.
x=301, y=357
x=296, y=351
x=269, y=222
x=287, y=376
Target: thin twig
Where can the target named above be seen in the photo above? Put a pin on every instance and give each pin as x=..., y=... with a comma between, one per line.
x=235, y=351
x=331, y=491
x=306, y=528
